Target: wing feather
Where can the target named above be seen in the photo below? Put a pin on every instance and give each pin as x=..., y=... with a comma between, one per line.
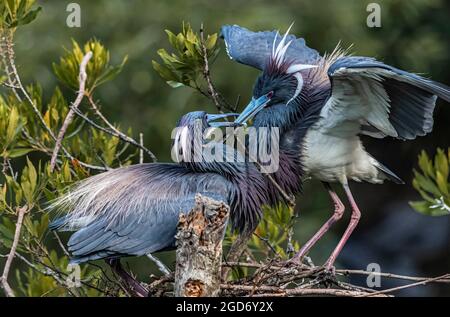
x=381, y=99
x=255, y=48
x=132, y=210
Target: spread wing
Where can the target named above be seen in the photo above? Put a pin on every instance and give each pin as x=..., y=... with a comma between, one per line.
x=372, y=98
x=255, y=48
x=132, y=210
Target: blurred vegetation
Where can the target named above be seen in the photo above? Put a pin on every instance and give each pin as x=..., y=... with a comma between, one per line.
x=183, y=67
x=432, y=182
x=414, y=36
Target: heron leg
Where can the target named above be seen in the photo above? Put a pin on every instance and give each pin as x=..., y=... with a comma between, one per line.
x=131, y=283
x=338, y=212
x=356, y=215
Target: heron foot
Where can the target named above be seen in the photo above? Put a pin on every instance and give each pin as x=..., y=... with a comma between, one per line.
x=329, y=268
x=327, y=276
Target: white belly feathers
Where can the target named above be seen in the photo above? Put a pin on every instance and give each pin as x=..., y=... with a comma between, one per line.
x=332, y=158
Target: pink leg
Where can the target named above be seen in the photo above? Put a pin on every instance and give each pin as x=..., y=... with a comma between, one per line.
x=338, y=212
x=356, y=215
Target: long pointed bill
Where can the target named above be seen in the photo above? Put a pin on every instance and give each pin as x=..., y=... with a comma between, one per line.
x=213, y=117
x=255, y=106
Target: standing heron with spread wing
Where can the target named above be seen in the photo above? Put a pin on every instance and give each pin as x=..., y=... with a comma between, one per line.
x=326, y=103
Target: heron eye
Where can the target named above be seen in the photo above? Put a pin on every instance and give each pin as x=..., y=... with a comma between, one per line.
x=270, y=94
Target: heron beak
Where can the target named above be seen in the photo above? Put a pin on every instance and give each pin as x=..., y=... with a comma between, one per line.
x=213, y=117
x=255, y=106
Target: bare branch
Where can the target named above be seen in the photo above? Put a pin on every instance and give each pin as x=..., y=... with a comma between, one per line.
x=393, y=276
x=424, y=282
x=46, y=271
x=278, y=291
x=69, y=118
x=61, y=245
x=10, y=86
x=115, y=132
x=161, y=266
x=4, y=278
x=141, y=151
x=214, y=95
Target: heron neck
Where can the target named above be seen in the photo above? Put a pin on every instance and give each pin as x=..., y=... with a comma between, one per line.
x=248, y=189
x=288, y=176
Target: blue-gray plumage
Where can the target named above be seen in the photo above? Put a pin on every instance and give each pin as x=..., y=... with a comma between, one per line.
x=134, y=210
x=326, y=103
x=254, y=48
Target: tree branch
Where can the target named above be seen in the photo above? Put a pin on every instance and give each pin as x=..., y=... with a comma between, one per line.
x=424, y=282
x=115, y=132
x=4, y=278
x=141, y=151
x=161, y=266
x=214, y=95
x=270, y=291
x=69, y=118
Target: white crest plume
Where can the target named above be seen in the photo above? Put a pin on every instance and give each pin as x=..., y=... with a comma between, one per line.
x=279, y=53
x=299, y=78
x=278, y=58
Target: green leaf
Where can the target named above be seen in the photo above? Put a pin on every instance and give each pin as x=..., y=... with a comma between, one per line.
x=111, y=72
x=211, y=41
x=66, y=172
x=441, y=163
x=32, y=175
x=173, y=40
x=442, y=183
x=18, y=152
x=42, y=225
x=426, y=184
x=29, y=17
x=12, y=125
x=164, y=72
x=6, y=230
x=22, y=8
x=421, y=206
x=425, y=164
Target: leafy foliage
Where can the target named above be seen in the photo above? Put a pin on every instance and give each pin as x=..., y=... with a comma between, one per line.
x=17, y=12
x=274, y=233
x=184, y=66
x=98, y=68
x=432, y=182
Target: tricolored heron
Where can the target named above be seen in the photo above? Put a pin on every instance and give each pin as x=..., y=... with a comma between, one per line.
x=134, y=210
x=327, y=102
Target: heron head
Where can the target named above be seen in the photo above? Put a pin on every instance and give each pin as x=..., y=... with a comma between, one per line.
x=277, y=90
x=276, y=98
x=204, y=120
x=192, y=129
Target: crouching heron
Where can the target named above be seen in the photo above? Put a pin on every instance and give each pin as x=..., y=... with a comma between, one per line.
x=327, y=102
x=134, y=210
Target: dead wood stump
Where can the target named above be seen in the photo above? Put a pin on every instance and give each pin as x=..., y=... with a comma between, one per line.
x=199, y=248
